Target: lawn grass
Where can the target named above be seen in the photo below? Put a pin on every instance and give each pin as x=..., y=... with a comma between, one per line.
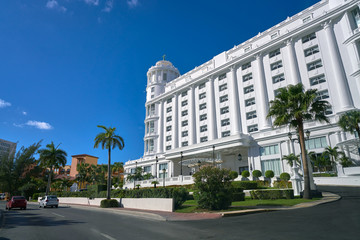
x=190, y=206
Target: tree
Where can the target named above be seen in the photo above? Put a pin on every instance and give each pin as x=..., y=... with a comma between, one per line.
x=119, y=168
x=83, y=175
x=291, y=158
x=293, y=106
x=65, y=183
x=109, y=140
x=52, y=157
x=345, y=161
x=334, y=155
x=350, y=121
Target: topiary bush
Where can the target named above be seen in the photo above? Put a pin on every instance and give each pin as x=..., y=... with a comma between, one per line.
x=269, y=174
x=233, y=174
x=285, y=176
x=257, y=173
x=109, y=203
x=245, y=174
x=272, y=194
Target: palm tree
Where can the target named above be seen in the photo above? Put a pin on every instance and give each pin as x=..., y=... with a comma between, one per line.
x=291, y=158
x=109, y=140
x=334, y=155
x=119, y=168
x=51, y=157
x=292, y=106
x=350, y=121
x=83, y=174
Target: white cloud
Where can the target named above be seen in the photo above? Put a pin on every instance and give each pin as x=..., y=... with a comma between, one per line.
x=24, y=113
x=133, y=3
x=53, y=4
x=109, y=4
x=39, y=125
x=4, y=104
x=92, y=2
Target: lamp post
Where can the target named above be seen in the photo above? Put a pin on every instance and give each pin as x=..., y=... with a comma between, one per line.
x=213, y=153
x=181, y=158
x=135, y=174
x=156, y=167
x=164, y=170
x=199, y=164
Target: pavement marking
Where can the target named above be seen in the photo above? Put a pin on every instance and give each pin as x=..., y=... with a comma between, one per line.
x=58, y=215
x=103, y=234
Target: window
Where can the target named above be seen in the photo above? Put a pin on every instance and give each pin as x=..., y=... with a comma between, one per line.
x=225, y=122
x=147, y=169
x=322, y=95
x=328, y=111
x=168, y=138
x=151, y=145
x=151, y=109
x=224, y=98
x=164, y=76
x=246, y=66
x=277, y=91
x=168, y=147
x=222, y=76
x=308, y=38
x=203, y=117
x=253, y=128
x=247, y=49
x=184, y=133
x=274, y=53
x=225, y=134
x=169, y=100
x=184, y=144
x=247, y=77
x=184, y=123
x=274, y=35
x=168, y=119
x=184, y=113
x=276, y=65
x=201, y=85
x=356, y=16
x=203, y=128
x=269, y=150
x=224, y=110
x=202, y=106
x=202, y=95
x=314, y=65
x=307, y=19
x=169, y=109
x=151, y=127
x=222, y=87
x=152, y=96
x=203, y=139
x=163, y=166
x=314, y=143
x=311, y=51
x=168, y=128
x=251, y=115
x=184, y=103
x=271, y=164
x=183, y=94
x=249, y=89
x=278, y=78
x=249, y=102
x=153, y=89
x=317, y=80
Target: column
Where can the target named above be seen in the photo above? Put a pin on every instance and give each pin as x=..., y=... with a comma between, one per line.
x=192, y=116
x=339, y=83
x=235, y=119
x=293, y=66
x=262, y=100
x=210, y=96
x=175, y=140
x=161, y=127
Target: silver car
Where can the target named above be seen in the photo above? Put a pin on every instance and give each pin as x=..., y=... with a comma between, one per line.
x=49, y=201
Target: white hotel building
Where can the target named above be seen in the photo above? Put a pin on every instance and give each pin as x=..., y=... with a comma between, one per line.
x=218, y=110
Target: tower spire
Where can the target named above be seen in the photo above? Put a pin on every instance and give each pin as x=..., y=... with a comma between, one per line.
x=164, y=57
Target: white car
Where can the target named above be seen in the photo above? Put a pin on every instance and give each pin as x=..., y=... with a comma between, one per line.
x=49, y=201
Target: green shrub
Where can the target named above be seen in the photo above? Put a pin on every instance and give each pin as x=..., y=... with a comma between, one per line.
x=257, y=173
x=269, y=174
x=109, y=203
x=262, y=184
x=238, y=194
x=36, y=196
x=282, y=184
x=245, y=184
x=233, y=174
x=285, y=176
x=213, y=189
x=245, y=174
x=272, y=194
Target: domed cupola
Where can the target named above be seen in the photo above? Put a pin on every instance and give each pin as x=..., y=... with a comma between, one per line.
x=157, y=77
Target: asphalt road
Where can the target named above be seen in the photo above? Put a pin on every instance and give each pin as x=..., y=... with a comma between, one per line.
x=338, y=220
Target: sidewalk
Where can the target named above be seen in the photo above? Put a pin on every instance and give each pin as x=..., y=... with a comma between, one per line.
x=174, y=216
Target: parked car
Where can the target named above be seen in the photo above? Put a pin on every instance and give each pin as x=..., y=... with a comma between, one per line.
x=16, y=202
x=49, y=201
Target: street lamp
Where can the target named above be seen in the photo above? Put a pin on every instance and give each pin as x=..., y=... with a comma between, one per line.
x=164, y=170
x=307, y=133
x=156, y=167
x=199, y=164
x=181, y=158
x=135, y=174
x=213, y=155
x=239, y=157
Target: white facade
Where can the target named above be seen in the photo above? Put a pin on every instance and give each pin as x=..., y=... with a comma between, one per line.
x=7, y=147
x=218, y=110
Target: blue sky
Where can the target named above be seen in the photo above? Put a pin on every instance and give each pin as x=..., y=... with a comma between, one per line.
x=70, y=65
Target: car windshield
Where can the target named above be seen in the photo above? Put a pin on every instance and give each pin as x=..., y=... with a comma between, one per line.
x=52, y=197
x=18, y=198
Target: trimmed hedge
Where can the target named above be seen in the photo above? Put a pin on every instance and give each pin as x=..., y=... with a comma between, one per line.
x=238, y=194
x=282, y=184
x=108, y=203
x=272, y=194
x=245, y=185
